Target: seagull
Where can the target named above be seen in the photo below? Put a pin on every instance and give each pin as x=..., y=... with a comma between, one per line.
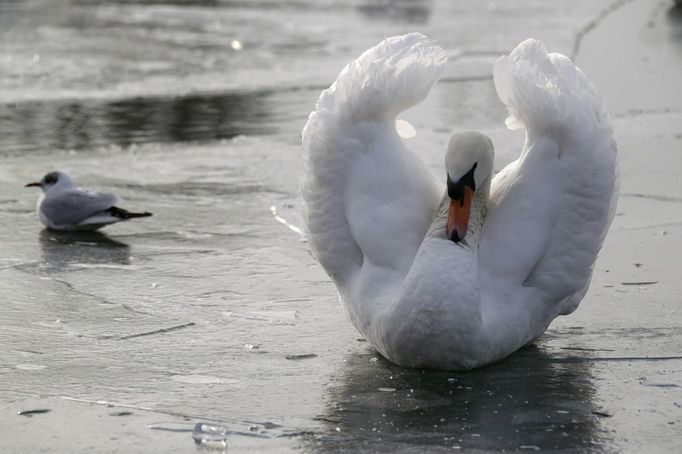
x=63, y=206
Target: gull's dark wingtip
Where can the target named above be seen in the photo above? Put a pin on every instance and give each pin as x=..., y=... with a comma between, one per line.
x=125, y=214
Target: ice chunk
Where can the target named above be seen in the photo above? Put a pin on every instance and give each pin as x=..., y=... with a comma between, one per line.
x=210, y=436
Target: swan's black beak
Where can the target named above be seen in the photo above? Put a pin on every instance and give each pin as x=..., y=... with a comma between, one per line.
x=32, y=185
x=461, y=196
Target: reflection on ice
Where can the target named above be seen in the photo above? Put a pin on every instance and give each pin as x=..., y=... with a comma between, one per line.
x=674, y=16
x=61, y=249
x=410, y=11
x=526, y=401
x=83, y=124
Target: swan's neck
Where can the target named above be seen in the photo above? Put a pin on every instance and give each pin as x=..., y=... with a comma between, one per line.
x=479, y=206
x=440, y=298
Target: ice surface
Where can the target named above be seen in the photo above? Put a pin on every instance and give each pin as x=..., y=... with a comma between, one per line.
x=192, y=316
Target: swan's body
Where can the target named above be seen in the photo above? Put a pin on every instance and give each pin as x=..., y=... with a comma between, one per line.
x=379, y=223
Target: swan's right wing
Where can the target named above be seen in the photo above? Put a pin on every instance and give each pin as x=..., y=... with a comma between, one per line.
x=550, y=210
x=367, y=199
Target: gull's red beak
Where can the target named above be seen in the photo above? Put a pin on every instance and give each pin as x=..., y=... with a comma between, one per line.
x=34, y=184
x=458, y=215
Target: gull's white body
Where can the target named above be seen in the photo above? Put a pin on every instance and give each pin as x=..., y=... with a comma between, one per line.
x=376, y=224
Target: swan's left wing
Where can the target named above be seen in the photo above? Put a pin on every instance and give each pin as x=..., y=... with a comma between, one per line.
x=550, y=210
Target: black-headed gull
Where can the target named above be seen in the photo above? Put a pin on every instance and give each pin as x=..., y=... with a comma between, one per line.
x=62, y=206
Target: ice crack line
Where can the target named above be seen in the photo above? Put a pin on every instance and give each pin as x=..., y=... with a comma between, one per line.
x=594, y=23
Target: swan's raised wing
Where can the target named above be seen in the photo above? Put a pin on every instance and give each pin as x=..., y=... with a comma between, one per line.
x=367, y=199
x=550, y=210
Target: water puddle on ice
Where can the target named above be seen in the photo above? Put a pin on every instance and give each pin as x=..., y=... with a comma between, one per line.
x=65, y=125
x=199, y=379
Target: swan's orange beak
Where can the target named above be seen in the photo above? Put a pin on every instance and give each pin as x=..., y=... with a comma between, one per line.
x=458, y=215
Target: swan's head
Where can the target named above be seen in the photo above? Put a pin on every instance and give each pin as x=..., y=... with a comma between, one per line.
x=469, y=166
x=52, y=179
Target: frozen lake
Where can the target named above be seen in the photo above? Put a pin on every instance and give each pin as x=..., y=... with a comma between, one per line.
x=214, y=310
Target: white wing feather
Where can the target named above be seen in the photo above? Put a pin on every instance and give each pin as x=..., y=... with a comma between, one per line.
x=550, y=210
x=367, y=199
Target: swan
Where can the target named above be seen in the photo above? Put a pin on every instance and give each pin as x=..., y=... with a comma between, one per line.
x=458, y=275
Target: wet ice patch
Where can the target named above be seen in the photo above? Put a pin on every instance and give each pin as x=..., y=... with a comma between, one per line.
x=170, y=427
x=276, y=317
x=31, y=366
x=199, y=379
x=195, y=235
x=103, y=266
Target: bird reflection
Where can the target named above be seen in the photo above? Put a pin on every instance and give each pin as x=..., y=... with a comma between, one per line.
x=61, y=249
x=411, y=11
x=527, y=401
x=674, y=17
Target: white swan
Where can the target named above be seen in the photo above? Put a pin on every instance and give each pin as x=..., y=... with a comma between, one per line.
x=457, y=277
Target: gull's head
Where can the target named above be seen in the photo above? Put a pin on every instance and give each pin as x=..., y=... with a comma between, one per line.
x=469, y=166
x=51, y=180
